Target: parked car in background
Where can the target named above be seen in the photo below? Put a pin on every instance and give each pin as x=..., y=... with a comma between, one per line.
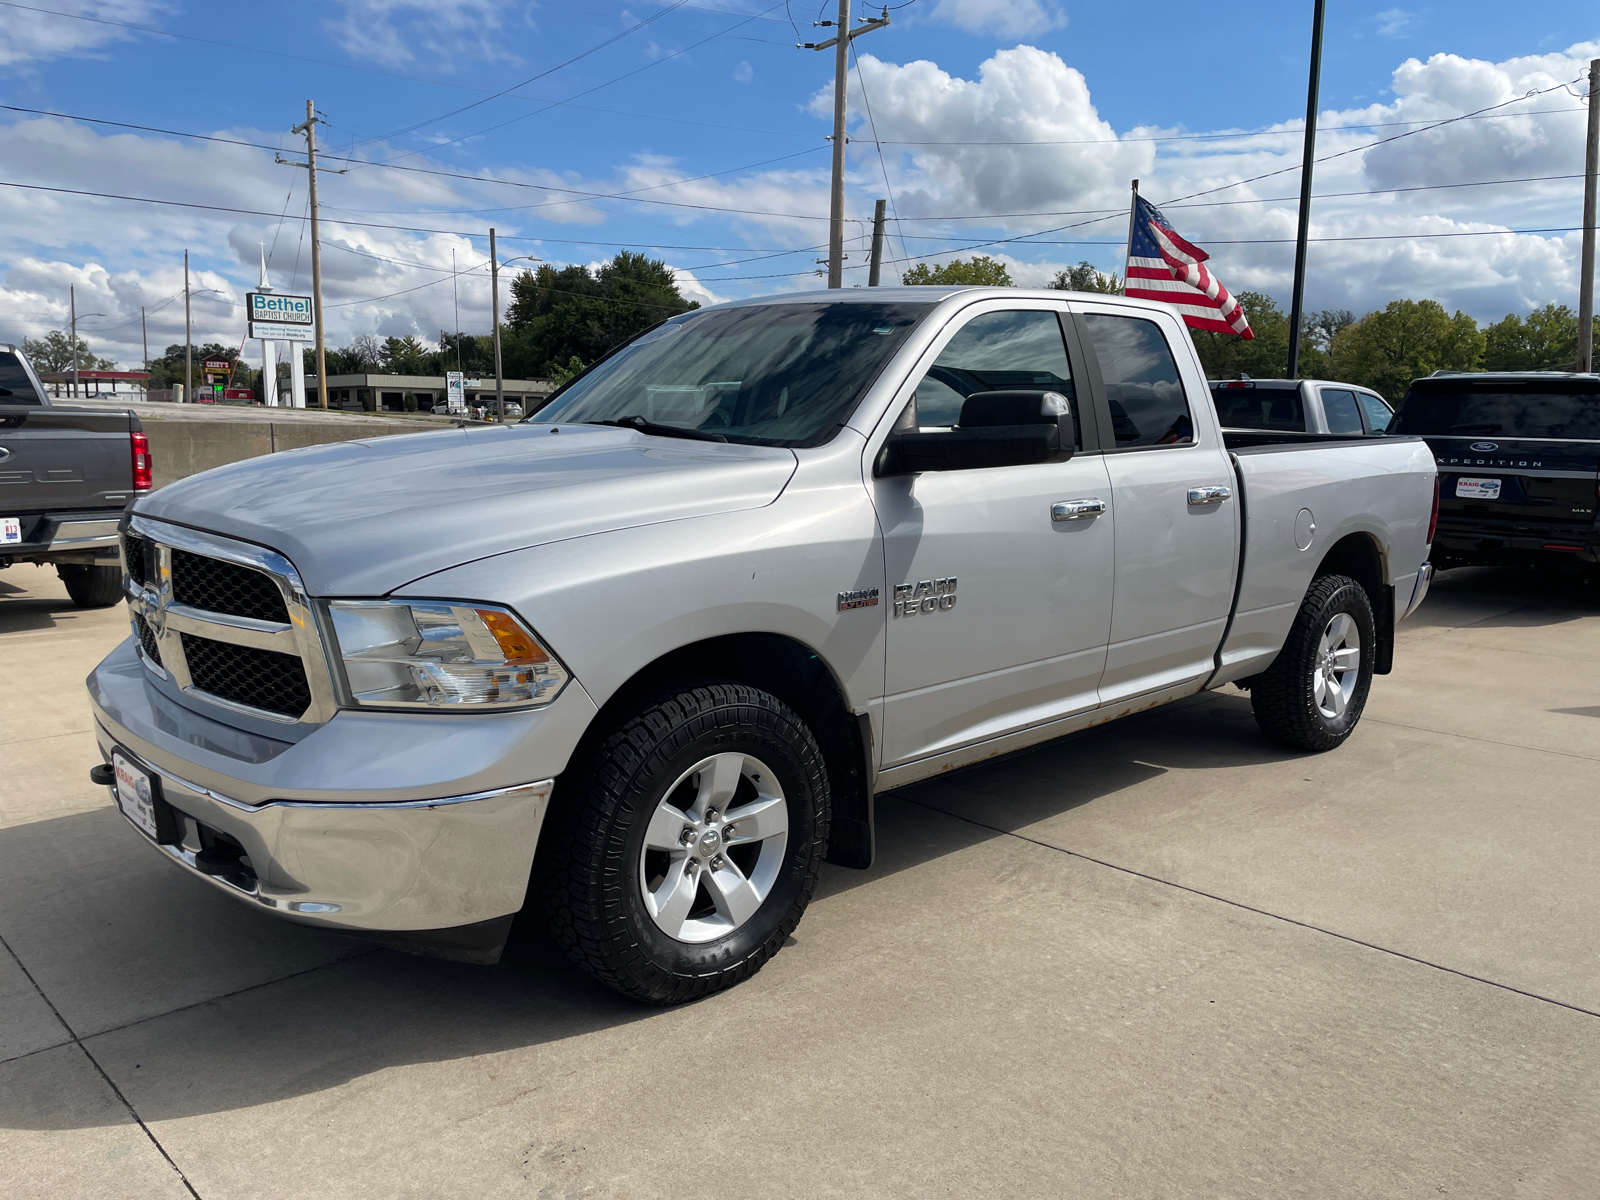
x=65, y=476
x=1519, y=465
x=1300, y=406
x=767, y=560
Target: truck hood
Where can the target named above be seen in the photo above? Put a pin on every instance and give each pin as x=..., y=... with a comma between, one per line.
x=365, y=517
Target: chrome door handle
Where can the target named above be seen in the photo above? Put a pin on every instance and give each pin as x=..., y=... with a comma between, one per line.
x=1077, y=510
x=1214, y=494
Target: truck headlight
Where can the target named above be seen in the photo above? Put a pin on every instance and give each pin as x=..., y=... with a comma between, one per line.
x=435, y=654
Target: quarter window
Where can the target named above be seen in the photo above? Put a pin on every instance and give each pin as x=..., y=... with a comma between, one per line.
x=995, y=352
x=1378, y=413
x=1148, y=407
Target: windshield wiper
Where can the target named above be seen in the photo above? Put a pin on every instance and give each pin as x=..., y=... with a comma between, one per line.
x=643, y=426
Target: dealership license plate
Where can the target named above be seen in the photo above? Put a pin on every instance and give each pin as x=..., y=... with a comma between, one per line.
x=135, y=794
x=1477, y=489
x=10, y=530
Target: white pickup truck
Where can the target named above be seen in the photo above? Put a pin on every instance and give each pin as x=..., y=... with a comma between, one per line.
x=647, y=657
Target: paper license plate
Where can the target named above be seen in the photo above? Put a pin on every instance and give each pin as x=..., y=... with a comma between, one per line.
x=135, y=795
x=10, y=530
x=1477, y=489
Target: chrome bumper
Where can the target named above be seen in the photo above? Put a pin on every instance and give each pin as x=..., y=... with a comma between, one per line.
x=1420, y=593
x=85, y=535
x=368, y=866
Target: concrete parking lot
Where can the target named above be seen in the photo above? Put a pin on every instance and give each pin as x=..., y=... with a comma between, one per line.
x=1159, y=959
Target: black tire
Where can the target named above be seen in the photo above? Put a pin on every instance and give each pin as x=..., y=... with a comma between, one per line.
x=590, y=862
x=91, y=586
x=1284, y=697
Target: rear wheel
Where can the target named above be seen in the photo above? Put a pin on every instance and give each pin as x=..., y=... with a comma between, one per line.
x=91, y=586
x=685, y=847
x=1312, y=695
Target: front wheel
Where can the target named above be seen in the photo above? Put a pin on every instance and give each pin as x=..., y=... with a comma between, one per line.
x=1312, y=695
x=686, y=845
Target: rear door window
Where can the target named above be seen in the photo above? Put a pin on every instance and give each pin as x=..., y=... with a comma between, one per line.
x=1378, y=413
x=1339, y=406
x=15, y=386
x=1143, y=389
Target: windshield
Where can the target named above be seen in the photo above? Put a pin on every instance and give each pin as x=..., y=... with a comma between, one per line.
x=770, y=374
x=1498, y=409
x=15, y=387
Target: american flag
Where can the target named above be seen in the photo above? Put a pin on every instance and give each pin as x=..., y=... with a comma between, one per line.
x=1162, y=266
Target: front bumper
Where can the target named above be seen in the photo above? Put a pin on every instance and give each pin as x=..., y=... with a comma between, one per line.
x=372, y=822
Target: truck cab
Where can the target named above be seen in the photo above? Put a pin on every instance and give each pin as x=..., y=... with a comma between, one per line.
x=1300, y=406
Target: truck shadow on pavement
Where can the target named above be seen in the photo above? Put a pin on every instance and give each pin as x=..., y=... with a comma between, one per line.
x=1504, y=597
x=193, y=1004
x=36, y=612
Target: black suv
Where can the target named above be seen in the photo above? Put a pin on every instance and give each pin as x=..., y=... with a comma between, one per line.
x=1519, y=465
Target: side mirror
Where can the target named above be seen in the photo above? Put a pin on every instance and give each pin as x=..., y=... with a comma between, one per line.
x=997, y=429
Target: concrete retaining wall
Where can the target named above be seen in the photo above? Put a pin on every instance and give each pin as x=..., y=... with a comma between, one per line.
x=182, y=448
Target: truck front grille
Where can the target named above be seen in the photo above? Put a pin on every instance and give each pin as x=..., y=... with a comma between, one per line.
x=227, y=624
x=133, y=551
x=224, y=587
x=147, y=639
x=263, y=679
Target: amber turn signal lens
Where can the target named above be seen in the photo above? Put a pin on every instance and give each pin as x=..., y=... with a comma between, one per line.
x=516, y=643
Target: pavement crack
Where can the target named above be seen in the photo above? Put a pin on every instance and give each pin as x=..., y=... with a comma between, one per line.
x=1194, y=891
x=101, y=1071
x=1487, y=741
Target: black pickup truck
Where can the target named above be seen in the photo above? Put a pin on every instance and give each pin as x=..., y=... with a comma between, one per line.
x=65, y=476
x=1519, y=466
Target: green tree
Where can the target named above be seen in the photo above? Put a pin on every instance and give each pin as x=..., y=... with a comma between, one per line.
x=1545, y=340
x=982, y=271
x=169, y=368
x=573, y=367
x=1086, y=278
x=556, y=315
x=1265, y=356
x=476, y=354
x=1406, y=340
x=403, y=356
x=53, y=352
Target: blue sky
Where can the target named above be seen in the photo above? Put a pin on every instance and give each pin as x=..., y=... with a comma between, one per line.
x=708, y=111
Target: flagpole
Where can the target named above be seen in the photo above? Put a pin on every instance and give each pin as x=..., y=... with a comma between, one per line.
x=1133, y=213
x=1297, y=305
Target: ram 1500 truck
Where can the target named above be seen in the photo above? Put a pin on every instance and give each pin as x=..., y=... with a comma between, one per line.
x=651, y=653
x=65, y=476
x=1300, y=406
x=1519, y=466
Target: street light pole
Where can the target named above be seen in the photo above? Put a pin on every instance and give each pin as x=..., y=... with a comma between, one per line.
x=494, y=286
x=840, y=44
x=72, y=312
x=188, y=338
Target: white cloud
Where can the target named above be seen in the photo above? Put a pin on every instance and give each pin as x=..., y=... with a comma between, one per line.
x=1003, y=18
x=391, y=32
x=743, y=73
x=34, y=37
x=1396, y=22
x=692, y=289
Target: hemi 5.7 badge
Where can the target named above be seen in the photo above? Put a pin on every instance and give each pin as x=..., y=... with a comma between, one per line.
x=859, y=598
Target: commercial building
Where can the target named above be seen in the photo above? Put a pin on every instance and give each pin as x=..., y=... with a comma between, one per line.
x=388, y=392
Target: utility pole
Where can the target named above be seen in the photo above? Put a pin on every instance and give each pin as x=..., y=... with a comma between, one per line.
x=144, y=335
x=840, y=44
x=1307, y=161
x=1591, y=165
x=494, y=287
x=309, y=129
x=875, y=266
x=72, y=316
x=456, y=296
x=188, y=338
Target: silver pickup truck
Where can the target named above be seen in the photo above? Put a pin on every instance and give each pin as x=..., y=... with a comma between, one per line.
x=645, y=659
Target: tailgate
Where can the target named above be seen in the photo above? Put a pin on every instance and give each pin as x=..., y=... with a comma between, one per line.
x=1511, y=482
x=55, y=459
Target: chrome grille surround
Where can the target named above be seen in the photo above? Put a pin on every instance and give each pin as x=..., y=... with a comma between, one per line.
x=166, y=620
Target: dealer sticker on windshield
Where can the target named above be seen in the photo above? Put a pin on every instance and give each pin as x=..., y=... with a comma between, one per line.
x=10, y=530
x=1477, y=489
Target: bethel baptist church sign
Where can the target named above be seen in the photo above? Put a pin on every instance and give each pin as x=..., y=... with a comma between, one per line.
x=279, y=318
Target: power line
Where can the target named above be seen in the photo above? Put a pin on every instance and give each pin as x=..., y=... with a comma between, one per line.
x=1197, y=137
x=882, y=165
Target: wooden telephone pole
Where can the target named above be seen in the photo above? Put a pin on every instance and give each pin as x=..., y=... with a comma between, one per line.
x=840, y=44
x=309, y=128
x=1591, y=176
